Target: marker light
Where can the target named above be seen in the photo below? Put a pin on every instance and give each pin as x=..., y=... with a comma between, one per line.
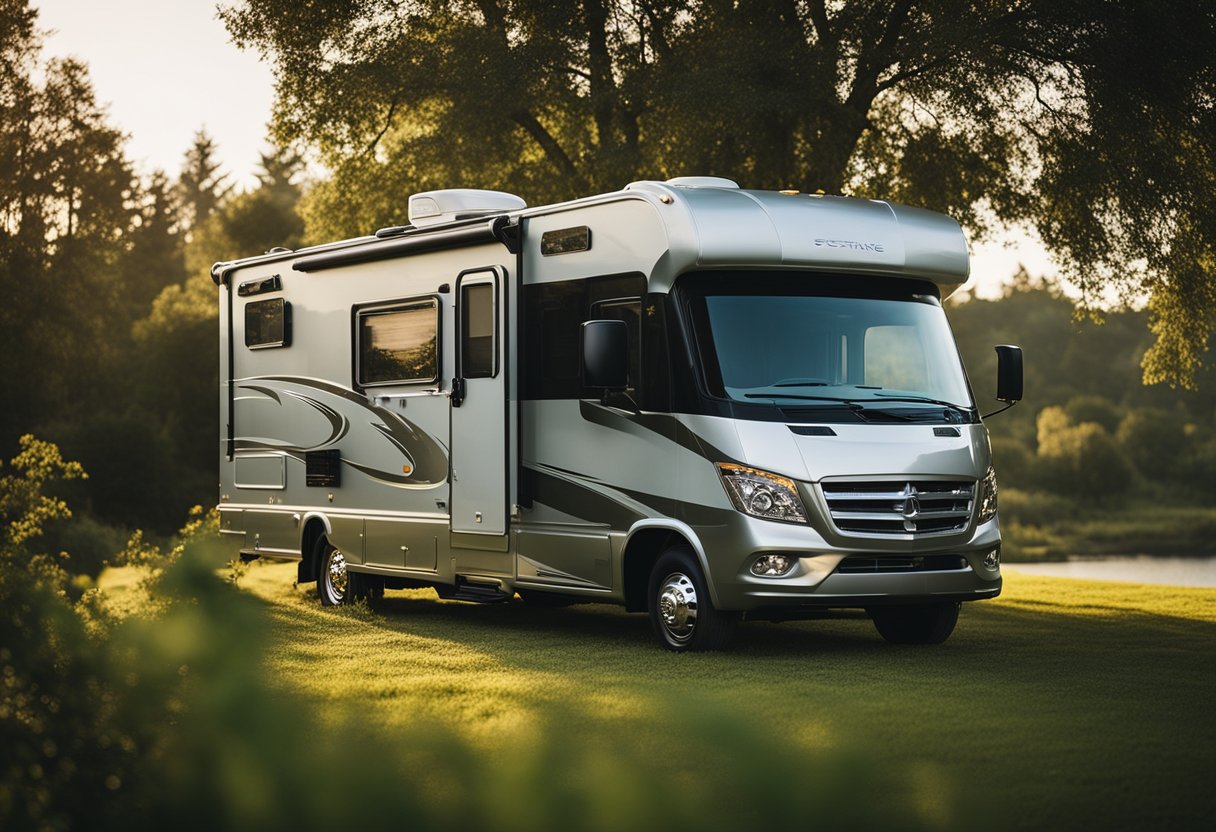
x=761, y=494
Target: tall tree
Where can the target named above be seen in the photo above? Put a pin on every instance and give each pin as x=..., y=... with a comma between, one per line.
x=155, y=257
x=202, y=185
x=1095, y=121
x=66, y=213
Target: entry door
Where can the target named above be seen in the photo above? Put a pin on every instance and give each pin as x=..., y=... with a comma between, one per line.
x=479, y=404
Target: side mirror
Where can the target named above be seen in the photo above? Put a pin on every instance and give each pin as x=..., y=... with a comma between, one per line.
x=1008, y=373
x=605, y=348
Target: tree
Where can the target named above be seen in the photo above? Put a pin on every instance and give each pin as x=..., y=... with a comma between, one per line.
x=202, y=186
x=155, y=258
x=1080, y=460
x=66, y=212
x=1094, y=121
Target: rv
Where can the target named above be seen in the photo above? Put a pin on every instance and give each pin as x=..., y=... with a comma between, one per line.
x=702, y=402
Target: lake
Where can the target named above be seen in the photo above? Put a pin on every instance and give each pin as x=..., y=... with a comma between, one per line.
x=1140, y=569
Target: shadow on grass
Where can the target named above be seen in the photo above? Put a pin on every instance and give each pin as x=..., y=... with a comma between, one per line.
x=1036, y=711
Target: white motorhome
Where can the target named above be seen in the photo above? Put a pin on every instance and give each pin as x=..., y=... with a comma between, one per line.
x=699, y=401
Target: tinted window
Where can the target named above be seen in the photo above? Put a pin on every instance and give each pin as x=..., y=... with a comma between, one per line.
x=399, y=344
x=268, y=323
x=477, y=348
x=553, y=315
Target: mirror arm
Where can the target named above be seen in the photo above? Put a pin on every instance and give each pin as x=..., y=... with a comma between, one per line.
x=999, y=410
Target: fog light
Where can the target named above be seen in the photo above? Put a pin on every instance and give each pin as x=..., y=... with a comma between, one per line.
x=772, y=566
x=993, y=559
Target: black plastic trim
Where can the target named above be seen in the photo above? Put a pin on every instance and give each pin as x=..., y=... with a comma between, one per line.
x=415, y=242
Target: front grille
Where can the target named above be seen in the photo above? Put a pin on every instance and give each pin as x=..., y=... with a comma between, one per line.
x=855, y=565
x=909, y=508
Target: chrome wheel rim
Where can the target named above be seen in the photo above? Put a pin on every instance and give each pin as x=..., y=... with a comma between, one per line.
x=336, y=577
x=678, y=606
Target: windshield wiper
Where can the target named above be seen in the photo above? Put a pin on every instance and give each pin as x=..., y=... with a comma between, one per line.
x=796, y=396
x=925, y=399
x=855, y=405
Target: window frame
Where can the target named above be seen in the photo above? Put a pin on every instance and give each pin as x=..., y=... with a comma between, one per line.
x=361, y=311
x=285, y=314
x=472, y=280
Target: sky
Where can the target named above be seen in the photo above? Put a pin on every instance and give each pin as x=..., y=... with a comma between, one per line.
x=166, y=68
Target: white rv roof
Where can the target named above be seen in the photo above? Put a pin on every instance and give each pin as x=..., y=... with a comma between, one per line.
x=711, y=223
x=726, y=226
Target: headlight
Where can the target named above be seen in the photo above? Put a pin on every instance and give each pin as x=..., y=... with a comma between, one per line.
x=988, y=495
x=762, y=494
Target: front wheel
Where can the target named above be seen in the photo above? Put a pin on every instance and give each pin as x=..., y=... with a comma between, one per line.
x=681, y=612
x=916, y=623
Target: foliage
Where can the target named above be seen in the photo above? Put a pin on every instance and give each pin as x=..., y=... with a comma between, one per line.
x=1154, y=440
x=108, y=325
x=167, y=717
x=25, y=507
x=1091, y=120
x=203, y=186
x=1156, y=445
x=1080, y=459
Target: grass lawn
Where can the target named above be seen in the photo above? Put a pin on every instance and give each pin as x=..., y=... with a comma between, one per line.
x=1063, y=704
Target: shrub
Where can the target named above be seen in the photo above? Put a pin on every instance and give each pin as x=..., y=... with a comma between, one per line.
x=1081, y=409
x=1081, y=460
x=1014, y=463
x=1154, y=441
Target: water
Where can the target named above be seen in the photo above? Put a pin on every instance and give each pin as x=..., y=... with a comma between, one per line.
x=1140, y=569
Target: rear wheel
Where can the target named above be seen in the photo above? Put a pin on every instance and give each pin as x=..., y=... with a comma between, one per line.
x=916, y=623
x=681, y=612
x=337, y=585
x=333, y=579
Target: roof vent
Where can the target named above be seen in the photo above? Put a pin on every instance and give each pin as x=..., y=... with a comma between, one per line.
x=703, y=182
x=435, y=207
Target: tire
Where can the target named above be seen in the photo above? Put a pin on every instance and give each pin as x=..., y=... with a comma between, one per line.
x=337, y=585
x=333, y=578
x=681, y=612
x=916, y=623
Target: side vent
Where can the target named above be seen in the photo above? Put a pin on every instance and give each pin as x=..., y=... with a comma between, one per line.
x=323, y=469
x=811, y=430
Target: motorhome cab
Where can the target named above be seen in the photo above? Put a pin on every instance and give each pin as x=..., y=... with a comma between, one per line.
x=703, y=402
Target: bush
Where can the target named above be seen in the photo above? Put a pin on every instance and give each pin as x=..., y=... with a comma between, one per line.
x=1014, y=463
x=1080, y=460
x=1154, y=441
x=166, y=719
x=1081, y=409
x=89, y=543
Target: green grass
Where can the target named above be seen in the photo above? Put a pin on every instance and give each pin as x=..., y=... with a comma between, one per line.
x=1061, y=704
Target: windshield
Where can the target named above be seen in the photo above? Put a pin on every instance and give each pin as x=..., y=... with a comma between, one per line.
x=803, y=340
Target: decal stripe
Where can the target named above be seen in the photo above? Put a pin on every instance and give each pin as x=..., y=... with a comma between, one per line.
x=640, y=424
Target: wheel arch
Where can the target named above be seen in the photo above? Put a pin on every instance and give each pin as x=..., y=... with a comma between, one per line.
x=315, y=526
x=646, y=541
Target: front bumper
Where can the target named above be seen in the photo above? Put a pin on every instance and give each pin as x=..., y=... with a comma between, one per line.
x=733, y=543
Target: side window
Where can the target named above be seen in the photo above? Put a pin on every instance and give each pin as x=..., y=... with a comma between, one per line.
x=553, y=316
x=895, y=358
x=478, y=350
x=268, y=323
x=628, y=310
x=398, y=344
